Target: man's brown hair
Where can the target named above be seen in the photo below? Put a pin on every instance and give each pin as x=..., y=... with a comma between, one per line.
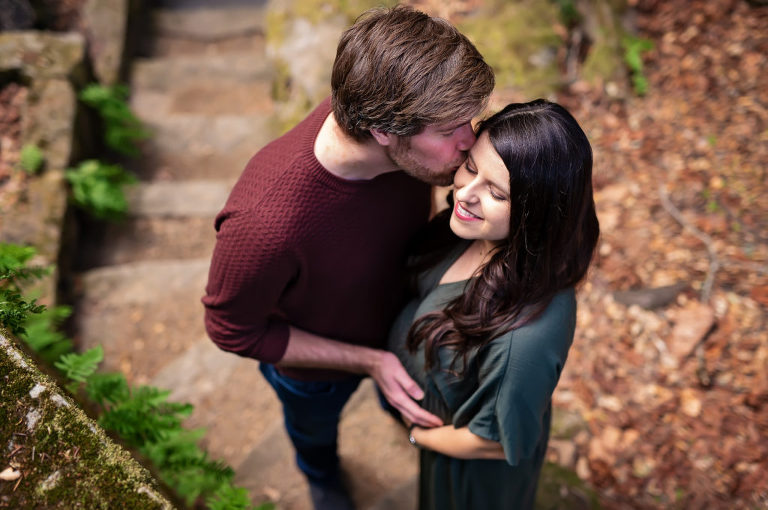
x=398, y=70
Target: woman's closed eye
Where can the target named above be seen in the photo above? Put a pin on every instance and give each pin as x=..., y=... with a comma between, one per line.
x=497, y=195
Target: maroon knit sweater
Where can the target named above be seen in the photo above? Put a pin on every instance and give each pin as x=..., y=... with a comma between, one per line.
x=298, y=245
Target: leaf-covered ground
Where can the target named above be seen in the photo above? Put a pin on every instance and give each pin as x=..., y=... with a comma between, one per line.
x=676, y=397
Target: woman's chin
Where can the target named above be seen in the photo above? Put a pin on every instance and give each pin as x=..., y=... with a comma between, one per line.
x=456, y=227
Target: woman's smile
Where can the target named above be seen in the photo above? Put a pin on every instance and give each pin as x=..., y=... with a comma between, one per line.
x=464, y=214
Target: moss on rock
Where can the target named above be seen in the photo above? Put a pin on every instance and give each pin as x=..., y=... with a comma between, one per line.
x=65, y=459
x=519, y=41
x=559, y=488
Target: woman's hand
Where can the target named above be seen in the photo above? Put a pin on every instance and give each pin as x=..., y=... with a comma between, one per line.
x=459, y=443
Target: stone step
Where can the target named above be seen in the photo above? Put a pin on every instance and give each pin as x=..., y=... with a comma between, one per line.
x=205, y=97
x=144, y=238
x=193, y=198
x=209, y=21
x=375, y=452
x=232, y=400
x=170, y=73
x=269, y=472
x=269, y=469
x=142, y=313
x=188, y=146
x=201, y=135
x=160, y=45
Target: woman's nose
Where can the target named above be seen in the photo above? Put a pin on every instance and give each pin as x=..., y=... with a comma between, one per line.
x=465, y=191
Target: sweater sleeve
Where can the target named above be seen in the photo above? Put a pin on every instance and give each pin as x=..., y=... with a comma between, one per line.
x=251, y=268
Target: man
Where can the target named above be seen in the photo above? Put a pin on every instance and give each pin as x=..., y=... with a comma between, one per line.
x=307, y=272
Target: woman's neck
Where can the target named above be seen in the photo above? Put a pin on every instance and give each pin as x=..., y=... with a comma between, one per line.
x=469, y=263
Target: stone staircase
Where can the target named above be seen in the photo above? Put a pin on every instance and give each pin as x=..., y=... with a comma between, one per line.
x=203, y=89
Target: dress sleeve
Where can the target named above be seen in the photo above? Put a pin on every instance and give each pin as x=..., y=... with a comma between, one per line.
x=252, y=265
x=517, y=374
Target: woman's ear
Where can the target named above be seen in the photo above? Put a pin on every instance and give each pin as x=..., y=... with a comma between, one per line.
x=383, y=138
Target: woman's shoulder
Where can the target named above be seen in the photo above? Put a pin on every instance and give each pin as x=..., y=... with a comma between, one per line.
x=554, y=328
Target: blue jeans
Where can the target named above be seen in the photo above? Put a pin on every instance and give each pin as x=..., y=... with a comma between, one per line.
x=311, y=410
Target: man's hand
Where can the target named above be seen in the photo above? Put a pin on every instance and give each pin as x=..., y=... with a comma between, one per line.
x=400, y=390
x=309, y=350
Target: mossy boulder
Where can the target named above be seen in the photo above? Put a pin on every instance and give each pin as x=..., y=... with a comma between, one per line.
x=560, y=488
x=53, y=455
x=519, y=41
x=606, y=24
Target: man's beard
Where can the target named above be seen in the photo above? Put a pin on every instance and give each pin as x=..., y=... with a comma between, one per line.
x=400, y=154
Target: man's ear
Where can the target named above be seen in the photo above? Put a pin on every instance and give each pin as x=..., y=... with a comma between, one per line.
x=382, y=137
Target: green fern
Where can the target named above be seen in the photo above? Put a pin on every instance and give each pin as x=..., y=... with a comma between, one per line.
x=228, y=497
x=145, y=417
x=31, y=158
x=43, y=336
x=185, y=466
x=122, y=130
x=13, y=265
x=98, y=188
x=14, y=308
x=78, y=367
x=634, y=47
x=108, y=389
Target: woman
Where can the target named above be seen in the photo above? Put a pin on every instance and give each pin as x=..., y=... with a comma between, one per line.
x=489, y=334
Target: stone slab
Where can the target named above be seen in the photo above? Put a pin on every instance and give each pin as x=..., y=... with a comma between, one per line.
x=201, y=370
x=143, y=238
x=37, y=220
x=144, y=282
x=167, y=74
x=167, y=45
x=208, y=22
x=48, y=120
x=270, y=473
x=177, y=199
x=381, y=473
x=381, y=467
x=204, y=97
x=42, y=54
x=232, y=400
x=186, y=146
x=201, y=135
x=106, y=22
x=144, y=315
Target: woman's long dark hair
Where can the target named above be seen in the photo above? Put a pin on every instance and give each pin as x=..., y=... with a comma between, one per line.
x=553, y=231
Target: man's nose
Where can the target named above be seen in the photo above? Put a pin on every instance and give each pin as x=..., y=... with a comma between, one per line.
x=466, y=137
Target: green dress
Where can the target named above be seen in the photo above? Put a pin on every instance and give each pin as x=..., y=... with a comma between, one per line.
x=504, y=395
